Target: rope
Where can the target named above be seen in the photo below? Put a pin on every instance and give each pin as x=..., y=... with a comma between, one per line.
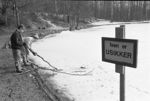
x=44, y=60
x=57, y=71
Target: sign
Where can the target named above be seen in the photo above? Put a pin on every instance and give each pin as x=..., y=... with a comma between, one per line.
x=119, y=51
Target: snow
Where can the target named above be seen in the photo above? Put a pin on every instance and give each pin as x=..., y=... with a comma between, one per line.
x=70, y=50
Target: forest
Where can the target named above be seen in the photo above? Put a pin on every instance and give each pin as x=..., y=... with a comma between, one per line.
x=72, y=12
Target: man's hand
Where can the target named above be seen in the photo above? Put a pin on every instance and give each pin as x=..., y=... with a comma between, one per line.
x=24, y=43
x=34, y=53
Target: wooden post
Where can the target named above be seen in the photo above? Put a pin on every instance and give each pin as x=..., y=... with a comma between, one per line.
x=120, y=33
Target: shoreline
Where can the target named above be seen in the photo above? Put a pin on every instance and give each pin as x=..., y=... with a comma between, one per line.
x=50, y=83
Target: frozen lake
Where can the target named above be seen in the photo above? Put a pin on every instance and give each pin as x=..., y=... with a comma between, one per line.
x=70, y=50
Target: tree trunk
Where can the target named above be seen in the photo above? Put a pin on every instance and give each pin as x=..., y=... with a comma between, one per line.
x=16, y=13
x=95, y=11
x=129, y=10
x=145, y=10
x=77, y=15
x=4, y=11
x=6, y=18
x=112, y=10
x=56, y=8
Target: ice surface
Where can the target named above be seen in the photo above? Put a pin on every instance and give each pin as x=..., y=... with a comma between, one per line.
x=70, y=50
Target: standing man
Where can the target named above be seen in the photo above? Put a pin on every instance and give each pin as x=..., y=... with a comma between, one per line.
x=27, y=47
x=17, y=45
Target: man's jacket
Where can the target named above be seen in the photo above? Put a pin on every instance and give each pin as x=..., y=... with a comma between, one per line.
x=16, y=40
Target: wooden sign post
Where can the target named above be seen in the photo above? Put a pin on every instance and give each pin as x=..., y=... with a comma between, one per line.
x=122, y=52
x=120, y=33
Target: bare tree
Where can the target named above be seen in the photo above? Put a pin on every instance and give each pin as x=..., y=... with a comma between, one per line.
x=145, y=10
x=16, y=12
x=112, y=10
x=5, y=6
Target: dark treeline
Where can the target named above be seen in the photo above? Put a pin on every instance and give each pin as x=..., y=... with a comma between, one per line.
x=74, y=11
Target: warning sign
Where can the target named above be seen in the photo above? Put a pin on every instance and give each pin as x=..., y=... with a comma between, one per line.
x=119, y=51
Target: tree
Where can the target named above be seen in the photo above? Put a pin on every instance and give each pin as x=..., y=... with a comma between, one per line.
x=75, y=11
x=5, y=6
x=112, y=10
x=16, y=12
x=145, y=10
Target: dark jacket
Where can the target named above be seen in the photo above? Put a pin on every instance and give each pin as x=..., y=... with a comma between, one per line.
x=16, y=40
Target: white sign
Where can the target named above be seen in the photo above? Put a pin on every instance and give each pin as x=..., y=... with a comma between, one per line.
x=119, y=51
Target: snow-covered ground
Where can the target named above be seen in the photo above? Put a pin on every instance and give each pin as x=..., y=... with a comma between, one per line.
x=71, y=50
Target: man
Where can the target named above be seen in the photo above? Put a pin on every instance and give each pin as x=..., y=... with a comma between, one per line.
x=27, y=47
x=17, y=45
